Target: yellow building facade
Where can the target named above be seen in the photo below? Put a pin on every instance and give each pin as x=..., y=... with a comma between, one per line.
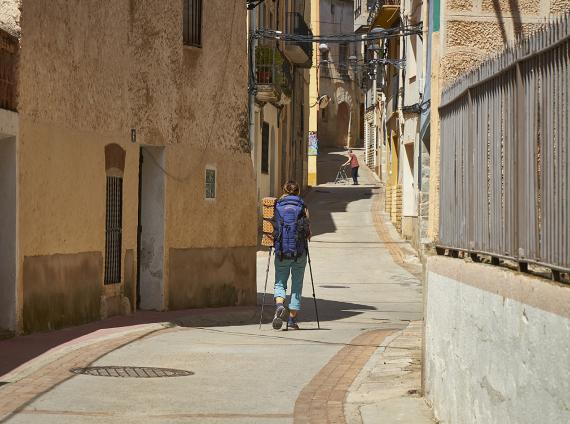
x=135, y=184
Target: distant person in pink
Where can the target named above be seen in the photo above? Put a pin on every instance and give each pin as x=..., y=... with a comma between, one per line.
x=354, y=165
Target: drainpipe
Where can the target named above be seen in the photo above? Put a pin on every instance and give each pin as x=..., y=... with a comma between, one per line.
x=293, y=155
x=251, y=84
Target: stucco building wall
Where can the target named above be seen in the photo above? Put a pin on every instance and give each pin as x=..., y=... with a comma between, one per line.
x=339, y=123
x=496, y=345
x=92, y=71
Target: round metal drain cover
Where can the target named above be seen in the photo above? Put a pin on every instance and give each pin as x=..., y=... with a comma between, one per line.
x=131, y=372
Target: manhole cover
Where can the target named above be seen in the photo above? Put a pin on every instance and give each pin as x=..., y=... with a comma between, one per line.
x=131, y=372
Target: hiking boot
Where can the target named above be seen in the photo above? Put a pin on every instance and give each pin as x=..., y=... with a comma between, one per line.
x=292, y=324
x=281, y=314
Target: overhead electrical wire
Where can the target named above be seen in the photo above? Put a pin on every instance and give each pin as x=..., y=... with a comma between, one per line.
x=380, y=34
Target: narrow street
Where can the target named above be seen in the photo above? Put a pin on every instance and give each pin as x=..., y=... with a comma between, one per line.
x=246, y=375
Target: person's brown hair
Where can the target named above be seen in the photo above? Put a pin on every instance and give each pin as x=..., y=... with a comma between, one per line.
x=291, y=187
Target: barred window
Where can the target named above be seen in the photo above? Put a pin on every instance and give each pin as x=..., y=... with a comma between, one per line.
x=192, y=23
x=210, y=183
x=113, y=230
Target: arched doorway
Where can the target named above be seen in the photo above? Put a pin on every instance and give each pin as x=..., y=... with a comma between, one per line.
x=342, y=124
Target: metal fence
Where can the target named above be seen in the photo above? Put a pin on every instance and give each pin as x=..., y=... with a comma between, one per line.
x=505, y=154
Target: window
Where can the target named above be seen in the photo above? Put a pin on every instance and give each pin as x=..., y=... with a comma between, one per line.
x=265, y=148
x=192, y=26
x=113, y=230
x=343, y=56
x=210, y=183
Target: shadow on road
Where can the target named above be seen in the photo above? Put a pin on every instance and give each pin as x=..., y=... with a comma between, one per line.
x=324, y=201
x=329, y=310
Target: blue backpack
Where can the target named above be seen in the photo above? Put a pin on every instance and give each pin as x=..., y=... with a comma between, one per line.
x=291, y=227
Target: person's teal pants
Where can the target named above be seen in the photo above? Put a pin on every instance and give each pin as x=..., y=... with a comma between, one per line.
x=295, y=268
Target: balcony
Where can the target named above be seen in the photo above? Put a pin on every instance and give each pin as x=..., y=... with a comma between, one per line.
x=361, y=11
x=384, y=13
x=299, y=53
x=272, y=75
x=8, y=75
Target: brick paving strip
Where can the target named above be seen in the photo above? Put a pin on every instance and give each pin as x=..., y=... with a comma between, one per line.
x=322, y=400
x=15, y=396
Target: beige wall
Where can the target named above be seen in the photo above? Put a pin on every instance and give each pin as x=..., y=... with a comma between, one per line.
x=343, y=112
x=472, y=29
x=91, y=71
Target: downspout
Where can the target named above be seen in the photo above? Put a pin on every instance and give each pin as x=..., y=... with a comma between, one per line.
x=293, y=156
x=252, y=45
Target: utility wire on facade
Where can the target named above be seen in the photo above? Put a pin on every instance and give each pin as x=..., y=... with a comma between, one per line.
x=396, y=32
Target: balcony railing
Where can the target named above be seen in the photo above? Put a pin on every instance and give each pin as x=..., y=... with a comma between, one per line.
x=8, y=73
x=358, y=11
x=377, y=6
x=296, y=25
x=272, y=73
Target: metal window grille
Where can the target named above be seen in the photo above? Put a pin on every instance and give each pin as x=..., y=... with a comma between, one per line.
x=265, y=148
x=210, y=184
x=113, y=230
x=358, y=8
x=192, y=26
x=8, y=71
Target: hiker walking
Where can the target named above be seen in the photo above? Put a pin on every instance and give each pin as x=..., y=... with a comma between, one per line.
x=354, y=165
x=292, y=233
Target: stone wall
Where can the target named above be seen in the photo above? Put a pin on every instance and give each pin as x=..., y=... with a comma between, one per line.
x=473, y=29
x=10, y=16
x=496, y=345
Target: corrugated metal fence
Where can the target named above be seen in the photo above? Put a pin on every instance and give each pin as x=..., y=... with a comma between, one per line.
x=505, y=135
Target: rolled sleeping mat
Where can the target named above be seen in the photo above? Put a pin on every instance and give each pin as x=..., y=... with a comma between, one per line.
x=268, y=214
x=268, y=207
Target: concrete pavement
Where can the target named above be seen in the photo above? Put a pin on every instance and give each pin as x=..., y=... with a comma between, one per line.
x=245, y=375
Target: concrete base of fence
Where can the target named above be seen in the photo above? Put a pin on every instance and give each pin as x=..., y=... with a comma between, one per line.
x=497, y=345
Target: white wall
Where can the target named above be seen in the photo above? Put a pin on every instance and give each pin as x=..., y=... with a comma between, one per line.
x=497, y=345
x=264, y=183
x=152, y=237
x=408, y=166
x=7, y=233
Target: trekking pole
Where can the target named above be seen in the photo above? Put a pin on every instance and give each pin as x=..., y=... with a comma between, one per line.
x=313, y=284
x=265, y=288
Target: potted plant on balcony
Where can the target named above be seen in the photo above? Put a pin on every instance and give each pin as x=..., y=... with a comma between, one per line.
x=264, y=65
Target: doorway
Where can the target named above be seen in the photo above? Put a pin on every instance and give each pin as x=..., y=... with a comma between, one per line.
x=7, y=234
x=342, y=125
x=150, y=239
